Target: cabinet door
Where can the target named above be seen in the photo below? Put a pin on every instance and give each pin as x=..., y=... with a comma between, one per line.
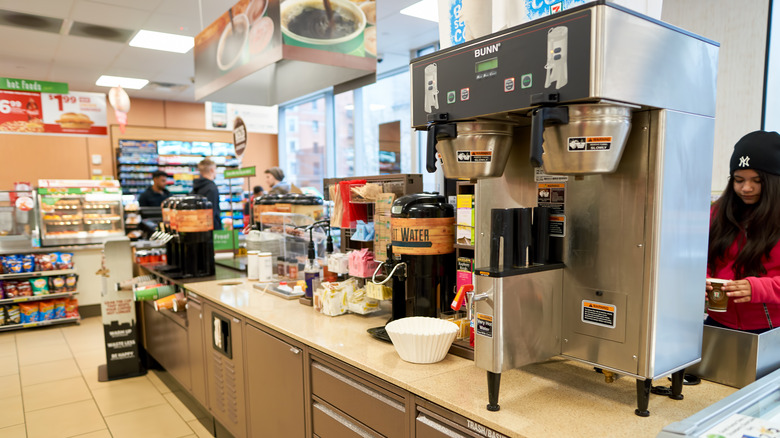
x=275, y=389
x=330, y=423
x=197, y=344
x=225, y=370
x=166, y=341
x=360, y=399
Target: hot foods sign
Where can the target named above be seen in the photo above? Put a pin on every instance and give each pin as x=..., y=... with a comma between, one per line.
x=74, y=113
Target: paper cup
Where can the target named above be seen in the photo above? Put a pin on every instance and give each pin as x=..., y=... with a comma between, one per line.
x=351, y=43
x=717, y=301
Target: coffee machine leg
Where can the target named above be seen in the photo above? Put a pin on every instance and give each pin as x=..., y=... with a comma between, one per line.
x=677, y=385
x=494, y=383
x=643, y=396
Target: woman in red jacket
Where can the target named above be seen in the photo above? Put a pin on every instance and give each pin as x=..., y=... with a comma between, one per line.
x=744, y=242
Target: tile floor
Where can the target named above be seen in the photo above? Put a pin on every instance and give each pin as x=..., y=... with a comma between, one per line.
x=49, y=389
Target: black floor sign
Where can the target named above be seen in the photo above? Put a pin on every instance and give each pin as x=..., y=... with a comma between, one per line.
x=598, y=313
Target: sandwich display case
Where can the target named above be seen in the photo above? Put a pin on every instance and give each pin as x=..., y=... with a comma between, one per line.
x=73, y=212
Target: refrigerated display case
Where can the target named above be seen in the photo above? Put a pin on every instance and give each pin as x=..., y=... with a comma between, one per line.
x=73, y=212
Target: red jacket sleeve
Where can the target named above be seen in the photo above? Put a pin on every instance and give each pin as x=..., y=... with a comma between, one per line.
x=764, y=289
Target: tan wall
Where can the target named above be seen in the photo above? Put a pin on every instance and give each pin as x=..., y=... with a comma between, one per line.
x=741, y=30
x=33, y=157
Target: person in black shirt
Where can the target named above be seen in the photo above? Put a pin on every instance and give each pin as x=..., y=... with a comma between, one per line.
x=157, y=193
x=205, y=186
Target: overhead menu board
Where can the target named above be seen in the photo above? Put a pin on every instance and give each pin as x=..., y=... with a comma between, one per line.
x=73, y=113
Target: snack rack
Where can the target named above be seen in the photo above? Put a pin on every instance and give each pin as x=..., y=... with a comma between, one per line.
x=14, y=304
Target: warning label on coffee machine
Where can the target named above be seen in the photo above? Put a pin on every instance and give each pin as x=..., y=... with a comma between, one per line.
x=600, y=314
x=484, y=325
x=580, y=144
x=475, y=156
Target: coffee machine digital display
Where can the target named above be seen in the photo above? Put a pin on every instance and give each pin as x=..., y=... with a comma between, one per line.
x=590, y=137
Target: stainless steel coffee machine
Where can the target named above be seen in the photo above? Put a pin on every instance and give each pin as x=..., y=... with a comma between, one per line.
x=604, y=118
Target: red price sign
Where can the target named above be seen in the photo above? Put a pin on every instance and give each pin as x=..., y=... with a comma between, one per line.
x=63, y=99
x=20, y=112
x=7, y=106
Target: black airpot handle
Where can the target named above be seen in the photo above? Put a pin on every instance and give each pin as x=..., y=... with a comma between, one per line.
x=556, y=114
x=435, y=132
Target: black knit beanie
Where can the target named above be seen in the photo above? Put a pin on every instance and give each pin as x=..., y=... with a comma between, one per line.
x=759, y=150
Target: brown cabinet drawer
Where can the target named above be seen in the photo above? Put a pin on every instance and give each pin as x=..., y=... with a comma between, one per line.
x=359, y=399
x=329, y=423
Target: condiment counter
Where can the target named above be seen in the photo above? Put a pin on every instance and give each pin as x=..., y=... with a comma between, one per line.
x=324, y=375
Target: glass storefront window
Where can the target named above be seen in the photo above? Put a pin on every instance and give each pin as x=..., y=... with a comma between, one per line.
x=384, y=103
x=305, y=157
x=344, y=114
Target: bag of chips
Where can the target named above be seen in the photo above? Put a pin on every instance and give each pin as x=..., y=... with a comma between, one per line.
x=40, y=286
x=59, y=307
x=44, y=262
x=12, y=315
x=29, y=312
x=72, y=308
x=2, y=315
x=9, y=289
x=57, y=284
x=70, y=282
x=46, y=310
x=24, y=288
x=65, y=260
x=28, y=263
x=13, y=265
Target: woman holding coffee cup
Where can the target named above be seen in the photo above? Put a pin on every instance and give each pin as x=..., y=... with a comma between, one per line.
x=744, y=240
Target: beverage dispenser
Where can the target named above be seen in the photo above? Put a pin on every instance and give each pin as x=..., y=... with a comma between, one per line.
x=422, y=228
x=589, y=134
x=194, y=227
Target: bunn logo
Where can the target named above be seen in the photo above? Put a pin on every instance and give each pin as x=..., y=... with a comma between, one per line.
x=482, y=51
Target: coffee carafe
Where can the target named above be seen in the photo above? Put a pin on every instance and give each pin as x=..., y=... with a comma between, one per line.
x=595, y=125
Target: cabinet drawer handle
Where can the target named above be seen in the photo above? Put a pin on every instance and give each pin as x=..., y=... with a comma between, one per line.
x=295, y=350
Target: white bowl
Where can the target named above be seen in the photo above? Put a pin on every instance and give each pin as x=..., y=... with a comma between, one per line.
x=420, y=339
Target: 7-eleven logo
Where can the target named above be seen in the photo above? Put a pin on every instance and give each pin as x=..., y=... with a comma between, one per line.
x=555, y=8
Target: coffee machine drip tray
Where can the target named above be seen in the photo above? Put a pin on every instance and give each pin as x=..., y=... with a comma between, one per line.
x=508, y=272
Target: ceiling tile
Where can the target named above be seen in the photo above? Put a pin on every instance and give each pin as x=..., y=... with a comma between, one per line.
x=47, y=8
x=176, y=24
x=24, y=68
x=88, y=52
x=109, y=15
x=28, y=44
x=146, y=5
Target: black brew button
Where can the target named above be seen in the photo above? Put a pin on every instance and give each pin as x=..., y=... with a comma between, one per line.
x=557, y=57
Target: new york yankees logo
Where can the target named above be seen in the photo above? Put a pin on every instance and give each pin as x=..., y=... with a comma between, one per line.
x=743, y=161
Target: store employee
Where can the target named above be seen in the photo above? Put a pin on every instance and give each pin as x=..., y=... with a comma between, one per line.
x=157, y=193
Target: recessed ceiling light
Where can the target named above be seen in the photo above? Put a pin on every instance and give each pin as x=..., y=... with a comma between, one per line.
x=425, y=9
x=167, y=42
x=129, y=83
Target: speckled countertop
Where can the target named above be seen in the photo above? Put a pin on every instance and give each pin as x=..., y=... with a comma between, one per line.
x=558, y=397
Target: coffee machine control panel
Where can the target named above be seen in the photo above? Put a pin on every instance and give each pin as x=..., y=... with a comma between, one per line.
x=503, y=72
